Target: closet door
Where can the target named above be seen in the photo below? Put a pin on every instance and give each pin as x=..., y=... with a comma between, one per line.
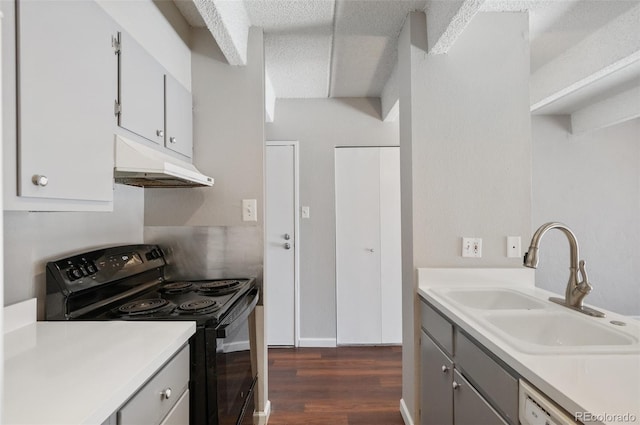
x=368, y=275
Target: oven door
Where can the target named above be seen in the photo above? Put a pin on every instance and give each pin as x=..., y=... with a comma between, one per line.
x=235, y=374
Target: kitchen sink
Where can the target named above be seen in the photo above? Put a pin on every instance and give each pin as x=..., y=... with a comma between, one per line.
x=494, y=299
x=556, y=332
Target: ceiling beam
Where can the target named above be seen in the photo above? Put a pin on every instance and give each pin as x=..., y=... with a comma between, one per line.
x=446, y=20
x=229, y=24
x=614, y=110
x=604, y=52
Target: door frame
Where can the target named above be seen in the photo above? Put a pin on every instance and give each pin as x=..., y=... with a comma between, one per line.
x=296, y=232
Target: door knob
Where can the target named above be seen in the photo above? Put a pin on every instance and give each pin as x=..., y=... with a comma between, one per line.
x=287, y=246
x=287, y=237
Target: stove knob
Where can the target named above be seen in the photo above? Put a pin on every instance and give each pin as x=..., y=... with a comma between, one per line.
x=90, y=268
x=74, y=273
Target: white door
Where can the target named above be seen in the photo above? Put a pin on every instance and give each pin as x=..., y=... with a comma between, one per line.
x=368, y=279
x=280, y=269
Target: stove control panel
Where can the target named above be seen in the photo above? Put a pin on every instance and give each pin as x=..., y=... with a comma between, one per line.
x=100, y=267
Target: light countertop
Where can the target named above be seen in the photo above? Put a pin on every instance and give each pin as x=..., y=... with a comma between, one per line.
x=81, y=372
x=605, y=385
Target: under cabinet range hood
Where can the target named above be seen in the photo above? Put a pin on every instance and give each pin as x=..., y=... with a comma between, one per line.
x=140, y=165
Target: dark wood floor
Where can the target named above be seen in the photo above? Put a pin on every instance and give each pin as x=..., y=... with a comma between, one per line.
x=335, y=386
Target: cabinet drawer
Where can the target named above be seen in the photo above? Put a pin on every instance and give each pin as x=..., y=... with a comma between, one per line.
x=469, y=406
x=437, y=327
x=149, y=405
x=498, y=386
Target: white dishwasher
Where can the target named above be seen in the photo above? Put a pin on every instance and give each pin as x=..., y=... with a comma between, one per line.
x=536, y=409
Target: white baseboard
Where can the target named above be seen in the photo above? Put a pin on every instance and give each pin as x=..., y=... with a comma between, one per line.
x=406, y=415
x=317, y=342
x=262, y=418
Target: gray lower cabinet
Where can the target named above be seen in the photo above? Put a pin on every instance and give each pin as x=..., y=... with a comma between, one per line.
x=436, y=384
x=470, y=408
x=162, y=398
x=461, y=382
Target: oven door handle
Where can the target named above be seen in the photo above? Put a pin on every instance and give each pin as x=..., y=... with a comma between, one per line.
x=229, y=325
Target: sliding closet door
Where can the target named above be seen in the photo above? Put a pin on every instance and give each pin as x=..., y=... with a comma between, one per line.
x=368, y=246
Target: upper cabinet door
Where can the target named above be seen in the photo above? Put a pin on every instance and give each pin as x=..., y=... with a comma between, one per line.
x=141, y=91
x=179, y=117
x=67, y=87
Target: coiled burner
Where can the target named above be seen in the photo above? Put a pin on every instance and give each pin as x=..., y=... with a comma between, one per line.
x=220, y=287
x=176, y=287
x=202, y=305
x=147, y=306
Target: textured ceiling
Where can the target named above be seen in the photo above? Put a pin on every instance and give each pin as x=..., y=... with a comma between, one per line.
x=347, y=48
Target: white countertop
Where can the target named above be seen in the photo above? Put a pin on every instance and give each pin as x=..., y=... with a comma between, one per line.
x=601, y=384
x=81, y=372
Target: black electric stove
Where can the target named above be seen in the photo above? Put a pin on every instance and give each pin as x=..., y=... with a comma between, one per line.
x=128, y=283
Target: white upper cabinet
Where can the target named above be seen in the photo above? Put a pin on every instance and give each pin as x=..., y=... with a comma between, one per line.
x=141, y=94
x=179, y=117
x=153, y=104
x=66, y=88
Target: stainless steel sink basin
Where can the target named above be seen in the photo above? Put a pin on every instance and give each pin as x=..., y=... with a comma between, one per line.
x=494, y=299
x=556, y=332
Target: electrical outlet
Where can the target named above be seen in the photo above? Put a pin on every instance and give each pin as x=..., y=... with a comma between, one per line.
x=472, y=247
x=249, y=210
x=513, y=247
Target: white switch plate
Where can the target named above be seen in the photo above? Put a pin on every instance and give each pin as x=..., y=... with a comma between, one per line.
x=249, y=210
x=305, y=212
x=472, y=247
x=513, y=247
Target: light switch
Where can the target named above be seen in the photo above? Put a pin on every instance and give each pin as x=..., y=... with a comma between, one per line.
x=249, y=210
x=472, y=247
x=305, y=212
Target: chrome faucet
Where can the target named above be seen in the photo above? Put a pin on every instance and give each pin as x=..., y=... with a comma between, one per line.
x=576, y=289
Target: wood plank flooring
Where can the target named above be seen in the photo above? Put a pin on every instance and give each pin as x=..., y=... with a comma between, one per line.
x=335, y=386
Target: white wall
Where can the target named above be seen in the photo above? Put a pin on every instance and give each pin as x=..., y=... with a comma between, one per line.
x=465, y=141
x=33, y=238
x=320, y=125
x=591, y=183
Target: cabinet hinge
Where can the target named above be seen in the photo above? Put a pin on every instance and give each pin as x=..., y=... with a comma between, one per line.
x=115, y=42
x=117, y=108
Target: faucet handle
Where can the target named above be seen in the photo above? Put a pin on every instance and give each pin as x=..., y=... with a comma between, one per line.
x=584, y=286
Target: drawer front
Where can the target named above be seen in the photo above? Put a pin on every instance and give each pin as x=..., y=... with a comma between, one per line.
x=437, y=327
x=179, y=415
x=469, y=406
x=495, y=383
x=150, y=405
x=436, y=377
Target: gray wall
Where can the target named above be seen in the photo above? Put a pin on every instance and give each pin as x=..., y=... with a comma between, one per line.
x=320, y=125
x=465, y=138
x=33, y=238
x=591, y=183
x=228, y=136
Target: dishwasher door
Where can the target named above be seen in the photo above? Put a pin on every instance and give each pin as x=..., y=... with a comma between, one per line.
x=536, y=409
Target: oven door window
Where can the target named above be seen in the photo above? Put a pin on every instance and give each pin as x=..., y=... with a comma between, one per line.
x=234, y=374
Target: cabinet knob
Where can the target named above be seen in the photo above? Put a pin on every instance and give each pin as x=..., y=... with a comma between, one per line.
x=445, y=369
x=287, y=245
x=287, y=236
x=455, y=385
x=166, y=393
x=39, y=180
x=172, y=140
x=160, y=133
x=370, y=250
